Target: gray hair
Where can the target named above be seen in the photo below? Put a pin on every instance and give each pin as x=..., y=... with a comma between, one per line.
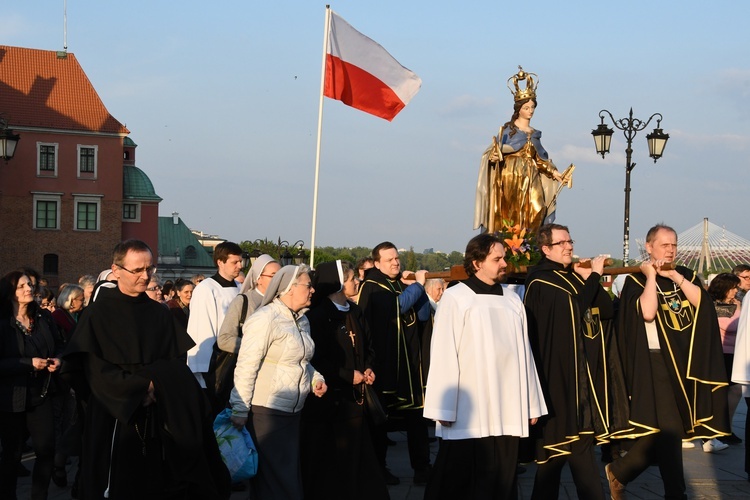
x=67, y=294
x=87, y=280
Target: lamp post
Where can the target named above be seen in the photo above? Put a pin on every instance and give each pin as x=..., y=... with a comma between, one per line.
x=8, y=140
x=286, y=252
x=630, y=127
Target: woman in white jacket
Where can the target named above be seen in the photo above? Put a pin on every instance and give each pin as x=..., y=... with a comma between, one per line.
x=272, y=379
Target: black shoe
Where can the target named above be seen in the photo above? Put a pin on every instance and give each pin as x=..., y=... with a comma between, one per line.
x=60, y=477
x=390, y=479
x=733, y=439
x=422, y=476
x=22, y=471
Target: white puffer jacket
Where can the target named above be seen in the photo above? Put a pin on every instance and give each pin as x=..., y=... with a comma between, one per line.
x=273, y=364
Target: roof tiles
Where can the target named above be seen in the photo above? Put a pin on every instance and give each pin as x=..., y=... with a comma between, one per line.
x=40, y=89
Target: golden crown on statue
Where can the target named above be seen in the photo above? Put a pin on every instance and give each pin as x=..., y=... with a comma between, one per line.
x=529, y=92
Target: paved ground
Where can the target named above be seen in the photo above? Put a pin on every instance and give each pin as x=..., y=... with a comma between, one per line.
x=710, y=476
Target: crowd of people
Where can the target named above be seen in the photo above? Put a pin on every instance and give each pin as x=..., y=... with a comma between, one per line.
x=128, y=373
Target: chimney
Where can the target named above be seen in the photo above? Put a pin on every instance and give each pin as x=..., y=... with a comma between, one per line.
x=175, y=218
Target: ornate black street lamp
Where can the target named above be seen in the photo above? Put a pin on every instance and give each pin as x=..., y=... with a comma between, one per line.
x=657, y=140
x=8, y=140
x=283, y=250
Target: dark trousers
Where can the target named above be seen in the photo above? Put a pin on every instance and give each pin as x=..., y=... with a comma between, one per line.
x=747, y=437
x=40, y=423
x=277, y=438
x=417, y=440
x=476, y=469
x=583, y=466
x=663, y=448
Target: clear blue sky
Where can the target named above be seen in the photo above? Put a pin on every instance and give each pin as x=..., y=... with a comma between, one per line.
x=222, y=100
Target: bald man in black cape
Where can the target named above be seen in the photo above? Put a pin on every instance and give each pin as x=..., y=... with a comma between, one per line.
x=670, y=345
x=148, y=430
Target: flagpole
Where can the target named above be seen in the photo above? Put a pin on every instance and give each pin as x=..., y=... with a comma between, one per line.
x=320, y=133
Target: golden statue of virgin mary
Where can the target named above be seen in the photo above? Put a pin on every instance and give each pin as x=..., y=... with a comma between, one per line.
x=518, y=183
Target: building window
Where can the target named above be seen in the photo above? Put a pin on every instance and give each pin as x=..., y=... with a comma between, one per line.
x=131, y=212
x=46, y=211
x=46, y=159
x=87, y=213
x=50, y=264
x=87, y=160
x=190, y=252
x=46, y=214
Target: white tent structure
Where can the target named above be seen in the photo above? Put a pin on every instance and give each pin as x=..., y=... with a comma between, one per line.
x=707, y=246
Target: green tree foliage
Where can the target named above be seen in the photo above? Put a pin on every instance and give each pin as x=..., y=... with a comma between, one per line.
x=411, y=260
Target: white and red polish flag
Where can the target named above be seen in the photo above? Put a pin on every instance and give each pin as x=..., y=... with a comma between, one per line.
x=362, y=74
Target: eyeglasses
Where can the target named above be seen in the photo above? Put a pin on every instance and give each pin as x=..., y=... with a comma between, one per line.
x=148, y=270
x=80, y=297
x=153, y=288
x=266, y=275
x=308, y=285
x=744, y=277
x=562, y=243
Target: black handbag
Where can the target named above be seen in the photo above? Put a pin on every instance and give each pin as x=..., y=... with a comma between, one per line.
x=222, y=365
x=373, y=406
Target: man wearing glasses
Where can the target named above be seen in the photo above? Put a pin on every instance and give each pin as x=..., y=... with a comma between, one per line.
x=208, y=306
x=127, y=357
x=742, y=271
x=566, y=306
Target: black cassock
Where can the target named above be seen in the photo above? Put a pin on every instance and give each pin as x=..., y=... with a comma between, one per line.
x=165, y=450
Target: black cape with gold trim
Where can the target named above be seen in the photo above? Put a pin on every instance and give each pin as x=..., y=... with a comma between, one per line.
x=576, y=356
x=691, y=347
x=395, y=340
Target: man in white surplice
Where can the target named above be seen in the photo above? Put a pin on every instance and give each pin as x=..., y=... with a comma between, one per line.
x=485, y=393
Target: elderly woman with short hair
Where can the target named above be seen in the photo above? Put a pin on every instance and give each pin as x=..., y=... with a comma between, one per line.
x=153, y=290
x=69, y=306
x=66, y=316
x=272, y=379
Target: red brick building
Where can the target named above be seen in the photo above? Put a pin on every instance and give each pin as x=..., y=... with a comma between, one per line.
x=72, y=191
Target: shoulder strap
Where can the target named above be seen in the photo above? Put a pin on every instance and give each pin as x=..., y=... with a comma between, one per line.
x=243, y=316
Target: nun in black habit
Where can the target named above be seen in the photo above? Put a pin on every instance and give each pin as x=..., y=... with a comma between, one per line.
x=338, y=458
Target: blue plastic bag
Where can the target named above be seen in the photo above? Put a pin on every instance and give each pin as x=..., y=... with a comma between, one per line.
x=236, y=447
